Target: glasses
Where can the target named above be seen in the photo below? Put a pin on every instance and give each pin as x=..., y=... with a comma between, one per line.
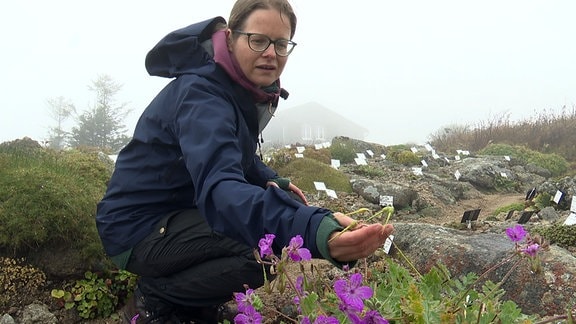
x=260, y=43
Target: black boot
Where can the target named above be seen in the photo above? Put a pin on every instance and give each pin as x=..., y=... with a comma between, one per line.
x=207, y=315
x=139, y=310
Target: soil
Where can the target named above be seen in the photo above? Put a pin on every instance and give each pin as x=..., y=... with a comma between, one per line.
x=488, y=203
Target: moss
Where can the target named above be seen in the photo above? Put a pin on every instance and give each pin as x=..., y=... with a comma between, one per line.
x=303, y=172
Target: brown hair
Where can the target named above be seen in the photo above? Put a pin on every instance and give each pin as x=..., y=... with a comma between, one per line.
x=243, y=8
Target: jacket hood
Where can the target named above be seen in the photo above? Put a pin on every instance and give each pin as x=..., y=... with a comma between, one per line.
x=181, y=52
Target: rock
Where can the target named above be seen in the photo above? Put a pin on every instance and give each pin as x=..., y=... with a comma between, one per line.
x=36, y=314
x=547, y=293
x=7, y=319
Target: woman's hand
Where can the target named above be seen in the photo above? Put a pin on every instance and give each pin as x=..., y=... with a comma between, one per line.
x=293, y=188
x=358, y=242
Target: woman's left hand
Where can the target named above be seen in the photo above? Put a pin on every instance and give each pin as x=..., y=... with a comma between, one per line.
x=293, y=188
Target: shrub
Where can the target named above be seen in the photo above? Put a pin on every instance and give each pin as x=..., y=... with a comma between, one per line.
x=343, y=151
x=49, y=198
x=304, y=171
x=563, y=235
x=404, y=157
x=555, y=163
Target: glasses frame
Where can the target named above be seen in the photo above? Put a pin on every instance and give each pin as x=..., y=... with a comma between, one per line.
x=270, y=41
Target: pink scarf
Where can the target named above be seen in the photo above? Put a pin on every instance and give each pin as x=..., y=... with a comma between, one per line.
x=228, y=62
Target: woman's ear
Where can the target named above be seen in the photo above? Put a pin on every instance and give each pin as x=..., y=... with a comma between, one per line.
x=229, y=39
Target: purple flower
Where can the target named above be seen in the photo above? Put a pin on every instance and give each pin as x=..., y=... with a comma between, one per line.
x=248, y=316
x=323, y=319
x=244, y=301
x=265, y=245
x=373, y=317
x=531, y=249
x=295, y=250
x=516, y=233
x=351, y=292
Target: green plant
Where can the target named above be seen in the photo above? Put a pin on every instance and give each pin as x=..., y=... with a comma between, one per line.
x=49, y=197
x=387, y=291
x=404, y=157
x=305, y=171
x=555, y=163
x=369, y=171
x=95, y=296
x=343, y=151
x=507, y=208
x=563, y=235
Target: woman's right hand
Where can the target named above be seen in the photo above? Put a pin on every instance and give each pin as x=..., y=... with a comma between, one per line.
x=358, y=242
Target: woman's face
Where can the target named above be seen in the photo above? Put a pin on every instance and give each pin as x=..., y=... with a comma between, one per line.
x=262, y=68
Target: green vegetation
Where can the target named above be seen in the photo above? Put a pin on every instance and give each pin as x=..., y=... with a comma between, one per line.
x=402, y=155
x=343, y=151
x=48, y=198
x=304, y=171
x=507, y=208
x=555, y=163
x=563, y=235
x=97, y=296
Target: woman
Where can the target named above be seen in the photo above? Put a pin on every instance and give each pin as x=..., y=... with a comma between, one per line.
x=189, y=198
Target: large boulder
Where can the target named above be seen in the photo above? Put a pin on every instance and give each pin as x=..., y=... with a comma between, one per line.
x=547, y=293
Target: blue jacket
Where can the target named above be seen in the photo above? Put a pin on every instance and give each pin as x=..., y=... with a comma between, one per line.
x=195, y=146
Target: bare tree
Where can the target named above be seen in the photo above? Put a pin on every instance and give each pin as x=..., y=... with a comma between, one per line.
x=60, y=109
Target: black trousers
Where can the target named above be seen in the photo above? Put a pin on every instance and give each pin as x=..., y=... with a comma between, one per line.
x=183, y=263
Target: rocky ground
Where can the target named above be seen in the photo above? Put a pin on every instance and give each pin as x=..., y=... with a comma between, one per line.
x=449, y=214
x=443, y=213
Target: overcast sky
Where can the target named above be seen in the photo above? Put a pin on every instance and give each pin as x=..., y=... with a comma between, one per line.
x=402, y=69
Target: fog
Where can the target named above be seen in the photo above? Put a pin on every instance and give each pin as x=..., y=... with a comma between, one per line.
x=402, y=69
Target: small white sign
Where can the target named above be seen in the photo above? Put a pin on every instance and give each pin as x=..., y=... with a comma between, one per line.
x=417, y=171
x=573, y=205
x=503, y=175
x=370, y=153
x=331, y=193
x=558, y=196
x=465, y=152
x=388, y=244
x=383, y=156
x=424, y=163
x=435, y=156
x=457, y=158
x=335, y=163
x=570, y=220
x=507, y=158
x=361, y=156
x=287, y=146
x=300, y=149
x=360, y=161
x=414, y=149
x=457, y=175
x=386, y=201
x=445, y=158
x=299, y=155
x=320, y=186
x=428, y=147
x=318, y=146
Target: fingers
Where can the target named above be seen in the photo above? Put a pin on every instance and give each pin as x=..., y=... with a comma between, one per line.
x=359, y=243
x=298, y=192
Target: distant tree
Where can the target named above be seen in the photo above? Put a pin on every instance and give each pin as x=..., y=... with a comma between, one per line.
x=102, y=125
x=60, y=109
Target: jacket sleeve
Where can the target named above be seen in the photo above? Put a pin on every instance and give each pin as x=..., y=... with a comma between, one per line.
x=208, y=128
x=260, y=173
